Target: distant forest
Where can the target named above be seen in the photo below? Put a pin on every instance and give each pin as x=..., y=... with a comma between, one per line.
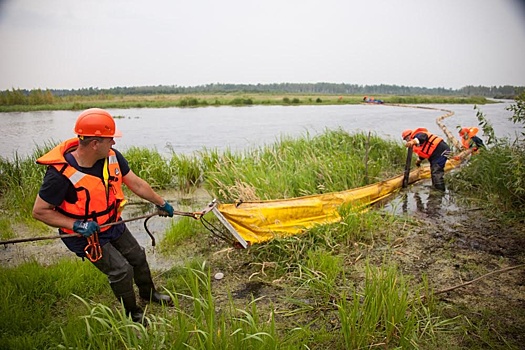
x=21, y=96
x=297, y=88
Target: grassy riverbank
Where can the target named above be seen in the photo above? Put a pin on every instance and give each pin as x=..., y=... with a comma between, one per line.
x=233, y=99
x=354, y=284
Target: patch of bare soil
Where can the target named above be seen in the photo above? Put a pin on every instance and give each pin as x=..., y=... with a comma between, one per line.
x=454, y=247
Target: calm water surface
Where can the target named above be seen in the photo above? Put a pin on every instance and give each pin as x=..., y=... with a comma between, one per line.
x=185, y=131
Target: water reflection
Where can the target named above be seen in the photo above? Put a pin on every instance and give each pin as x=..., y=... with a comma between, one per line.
x=422, y=199
x=431, y=207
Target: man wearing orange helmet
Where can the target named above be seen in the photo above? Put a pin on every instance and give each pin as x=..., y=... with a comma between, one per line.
x=82, y=195
x=431, y=147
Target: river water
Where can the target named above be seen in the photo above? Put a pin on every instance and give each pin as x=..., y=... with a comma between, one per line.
x=187, y=130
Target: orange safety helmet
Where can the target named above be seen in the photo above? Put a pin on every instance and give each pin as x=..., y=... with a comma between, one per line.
x=406, y=133
x=96, y=122
x=472, y=131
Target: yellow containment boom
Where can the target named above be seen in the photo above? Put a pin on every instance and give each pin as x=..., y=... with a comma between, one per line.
x=260, y=221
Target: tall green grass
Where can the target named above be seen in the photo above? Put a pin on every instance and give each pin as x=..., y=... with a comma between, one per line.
x=332, y=161
x=37, y=301
x=178, y=232
x=187, y=171
x=52, y=308
x=42, y=308
x=151, y=166
x=20, y=180
x=382, y=314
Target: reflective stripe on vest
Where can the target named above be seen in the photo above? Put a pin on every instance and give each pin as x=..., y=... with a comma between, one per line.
x=427, y=148
x=76, y=177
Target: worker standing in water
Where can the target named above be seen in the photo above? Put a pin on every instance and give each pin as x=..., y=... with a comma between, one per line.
x=431, y=147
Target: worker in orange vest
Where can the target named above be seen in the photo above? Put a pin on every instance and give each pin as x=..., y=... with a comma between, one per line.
x=431, y=147
x=470, y=141
x=82, y=196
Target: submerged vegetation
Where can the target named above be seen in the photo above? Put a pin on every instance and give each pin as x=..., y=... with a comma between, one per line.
x=336, y=286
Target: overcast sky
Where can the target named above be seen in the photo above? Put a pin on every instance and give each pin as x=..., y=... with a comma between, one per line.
x=66, y=44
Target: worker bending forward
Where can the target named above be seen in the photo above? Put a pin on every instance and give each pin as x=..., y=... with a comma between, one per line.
x=431, y=147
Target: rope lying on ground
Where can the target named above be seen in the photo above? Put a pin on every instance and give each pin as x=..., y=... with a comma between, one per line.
x=475, y=280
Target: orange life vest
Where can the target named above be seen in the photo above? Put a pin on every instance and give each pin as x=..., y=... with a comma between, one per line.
x=426, y=149
x=468, y=143
x=98, y=199
x=466, y=137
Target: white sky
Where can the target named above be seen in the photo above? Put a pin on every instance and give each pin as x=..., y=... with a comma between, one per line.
x=71, y=44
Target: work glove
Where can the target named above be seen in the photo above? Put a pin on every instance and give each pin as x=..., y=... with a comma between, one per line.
x=411, y=143
x=418, y=163
x=85, y=228
x=166, y=208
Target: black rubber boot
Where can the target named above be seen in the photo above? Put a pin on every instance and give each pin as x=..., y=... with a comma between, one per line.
x=437, y=175
x=147, y=291
x=160, y=298
x=124, y=292
x=132, y=309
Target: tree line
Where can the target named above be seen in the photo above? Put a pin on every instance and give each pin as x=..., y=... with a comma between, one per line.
x=39, y=96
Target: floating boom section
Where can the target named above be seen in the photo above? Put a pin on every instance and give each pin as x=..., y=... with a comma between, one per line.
x=261, y=221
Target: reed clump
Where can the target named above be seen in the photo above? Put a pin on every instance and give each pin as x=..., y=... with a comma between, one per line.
x=332, y=161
